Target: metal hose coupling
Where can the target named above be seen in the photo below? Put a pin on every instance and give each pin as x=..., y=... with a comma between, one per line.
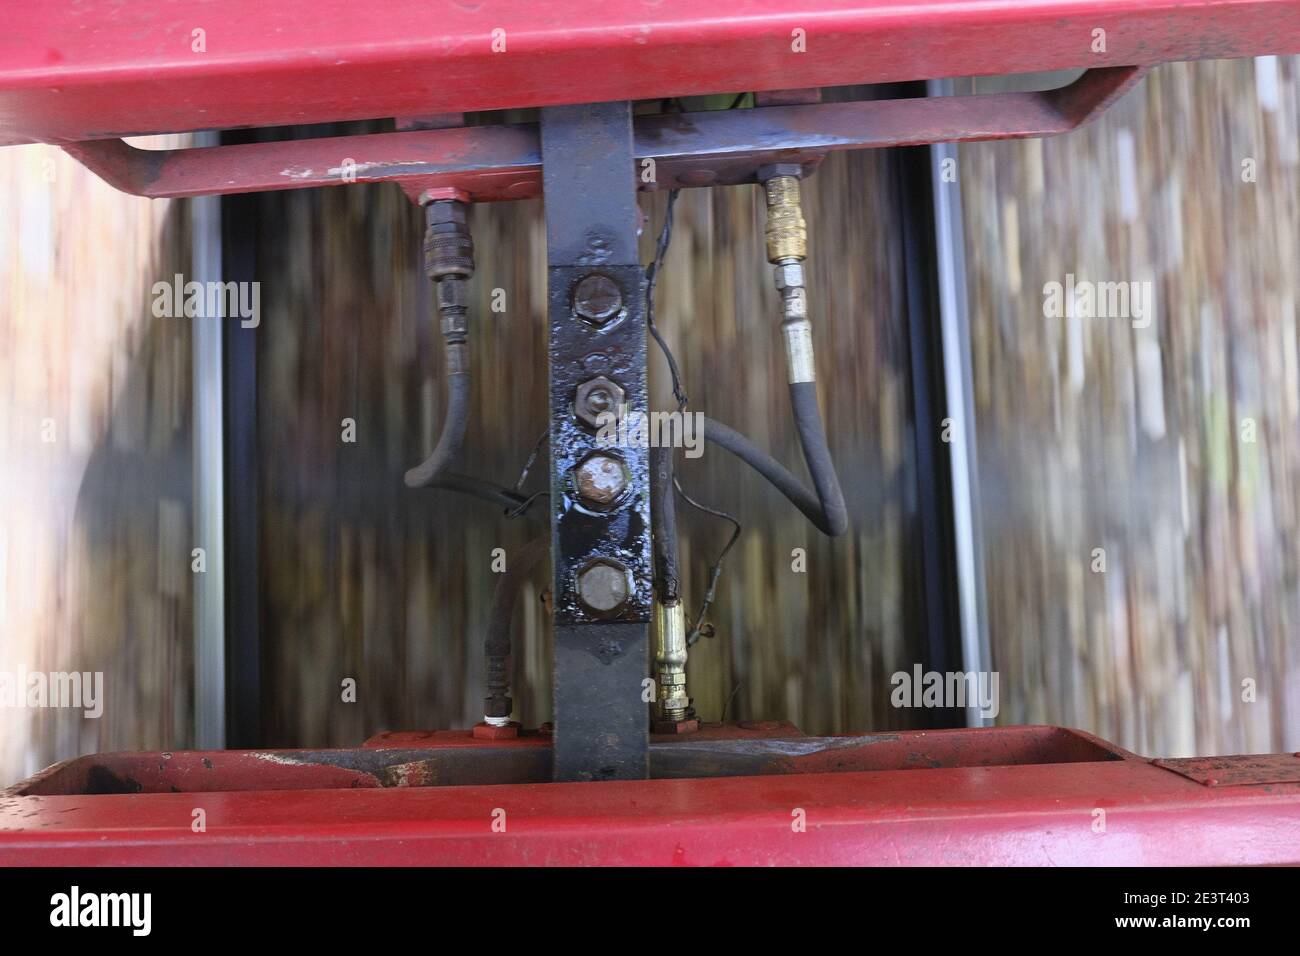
x=787, y=247
x=672, y=705
x=449, y=262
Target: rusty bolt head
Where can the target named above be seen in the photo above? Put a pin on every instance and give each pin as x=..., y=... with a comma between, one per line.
x=598, y=299
x=604, y=586
x=600, y=479
x=596, y=396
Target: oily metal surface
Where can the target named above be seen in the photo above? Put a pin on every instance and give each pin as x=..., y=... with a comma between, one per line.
x=596, y=317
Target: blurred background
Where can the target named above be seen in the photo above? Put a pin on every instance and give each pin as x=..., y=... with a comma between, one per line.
x=1175, y=448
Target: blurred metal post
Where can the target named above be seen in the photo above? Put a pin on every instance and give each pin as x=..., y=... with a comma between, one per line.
x=241, y=567
x=963, y=458
x=209, y=482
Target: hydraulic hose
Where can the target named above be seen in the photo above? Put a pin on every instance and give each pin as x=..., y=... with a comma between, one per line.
x=824, y=508
x=449, y=262
x=663, y=516
x=497, y=646
x=786, y=239
x=453, y=430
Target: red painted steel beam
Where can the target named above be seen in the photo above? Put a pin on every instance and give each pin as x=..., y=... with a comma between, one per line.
x=721, y=147
x=72, y=71
x=995, y=796
x=1002, y=815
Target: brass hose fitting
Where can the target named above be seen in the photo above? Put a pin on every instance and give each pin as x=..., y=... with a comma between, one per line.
x=787, y=247
x=786, y=232
x=671, y=704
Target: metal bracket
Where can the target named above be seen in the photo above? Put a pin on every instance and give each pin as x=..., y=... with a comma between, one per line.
x=714, y=148
x=600, y=495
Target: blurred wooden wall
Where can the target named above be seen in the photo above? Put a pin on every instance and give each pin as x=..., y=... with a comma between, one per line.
x=94, y=459
x=1095, y=434
x=1092, y=435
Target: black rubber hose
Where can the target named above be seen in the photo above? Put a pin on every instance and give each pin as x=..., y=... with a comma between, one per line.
x=663, y=517
x=453, y=430
x=817, y=456
x=825, y=509
x=497, y=645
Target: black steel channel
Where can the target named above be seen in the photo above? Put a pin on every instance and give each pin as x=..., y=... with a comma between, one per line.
x=239, y=224
x=933, y=610
x=601, y=721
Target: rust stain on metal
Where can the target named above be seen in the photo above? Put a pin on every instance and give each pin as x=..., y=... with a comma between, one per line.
x=1237, y=771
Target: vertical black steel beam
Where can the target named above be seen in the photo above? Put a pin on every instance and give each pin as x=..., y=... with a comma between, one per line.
x=933, y=611
x=601, y=655
x=239, y=233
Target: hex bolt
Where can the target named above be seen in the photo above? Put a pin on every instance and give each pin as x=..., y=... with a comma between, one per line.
x=604, y=586
x=596, y=396
x=598, y=299
x=600, y=479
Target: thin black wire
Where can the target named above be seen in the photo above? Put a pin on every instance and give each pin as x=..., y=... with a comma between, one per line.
x=521, y=509
x=652, y=278
x=532, y=458
x=715, y=572
x=727, y=706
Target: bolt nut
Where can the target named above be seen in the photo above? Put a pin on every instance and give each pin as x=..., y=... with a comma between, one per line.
x=773, y=170
x=601, y=479
x=789, y=275
x=604, y=586
x=598, y=299
x=595, y=397
x=452, y=293
x=445, y=210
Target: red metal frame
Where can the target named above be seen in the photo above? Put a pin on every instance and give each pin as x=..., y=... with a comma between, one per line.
x=1014, y=795
x=77, y=72
x=97, y=70
x=721, y=147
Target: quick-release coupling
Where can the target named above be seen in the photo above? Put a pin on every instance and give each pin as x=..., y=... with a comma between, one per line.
x=449, y=262
x=787, y=247
x=448, y=246
x=786, y=232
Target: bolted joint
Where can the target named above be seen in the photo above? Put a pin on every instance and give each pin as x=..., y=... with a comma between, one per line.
x=596, y=397
x=598, y=300
x=448, y=246
x=601, y=480
x=603, y=586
